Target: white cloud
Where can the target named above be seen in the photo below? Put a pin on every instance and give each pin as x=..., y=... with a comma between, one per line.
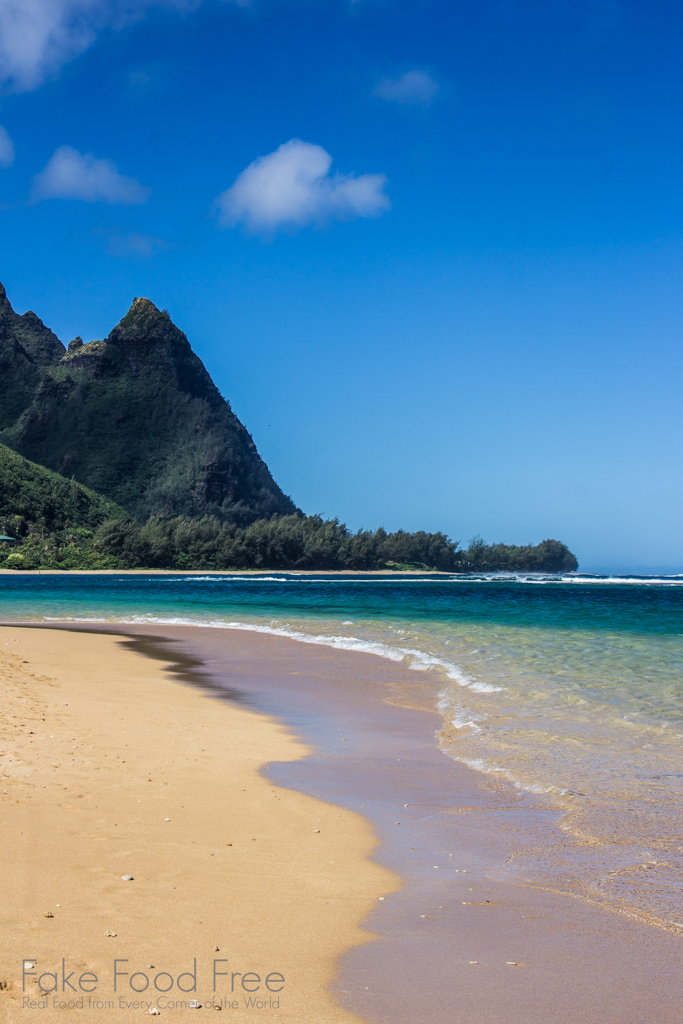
x=293, y=187
x=37, y=37
x=72, y=175
x=415, y=87
x=6, y=149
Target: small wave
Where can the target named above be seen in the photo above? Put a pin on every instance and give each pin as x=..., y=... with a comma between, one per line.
x=661, y=581
x=416, y=660
x=230, y=579
x=478, y=764
x=459, y=718
x=459, y=722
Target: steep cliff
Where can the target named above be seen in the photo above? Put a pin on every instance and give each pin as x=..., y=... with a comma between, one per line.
x=135, y=417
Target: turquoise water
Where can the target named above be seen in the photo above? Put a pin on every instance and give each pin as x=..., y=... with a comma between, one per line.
x=570, y=688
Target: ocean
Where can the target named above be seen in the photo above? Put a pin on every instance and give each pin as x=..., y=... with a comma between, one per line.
x=566, y=687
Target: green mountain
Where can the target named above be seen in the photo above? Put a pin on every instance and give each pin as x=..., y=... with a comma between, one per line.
x=135, y=417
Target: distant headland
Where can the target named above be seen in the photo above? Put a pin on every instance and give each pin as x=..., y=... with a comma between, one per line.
x=122, y=454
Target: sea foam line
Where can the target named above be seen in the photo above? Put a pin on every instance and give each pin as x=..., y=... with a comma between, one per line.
x=416, y=660
x=537, y=579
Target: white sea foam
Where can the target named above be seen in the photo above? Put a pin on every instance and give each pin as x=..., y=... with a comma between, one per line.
x=491, y=768
x=538, y=579
x=460, y=718
x=229, y=579
x=460, y=722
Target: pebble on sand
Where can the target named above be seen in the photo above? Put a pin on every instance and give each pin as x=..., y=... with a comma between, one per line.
x=49, y=914
x=153, y=1011
x=126, y=878
x=194, y=1004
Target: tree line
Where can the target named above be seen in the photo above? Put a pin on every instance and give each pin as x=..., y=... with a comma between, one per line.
x=280, y=542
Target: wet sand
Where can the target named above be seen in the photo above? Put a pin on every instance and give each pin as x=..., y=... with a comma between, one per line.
x=374, y=750
x=465, y=940
x=137, y=825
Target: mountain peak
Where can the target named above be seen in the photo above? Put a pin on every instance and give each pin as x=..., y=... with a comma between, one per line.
x=27, y=346
x=137, y=418
x=143, y=305
x=142, y=316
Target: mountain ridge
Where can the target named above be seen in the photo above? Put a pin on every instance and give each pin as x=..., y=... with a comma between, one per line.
x=135, y=417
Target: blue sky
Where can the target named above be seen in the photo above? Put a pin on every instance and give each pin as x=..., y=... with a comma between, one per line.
x=431, y=251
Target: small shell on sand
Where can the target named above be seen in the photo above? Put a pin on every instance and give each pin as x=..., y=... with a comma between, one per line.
x=126, y=878
x=316, y=829
x=153, y=1011
x=49, y=914
x=194, y=1004
x=110, y=935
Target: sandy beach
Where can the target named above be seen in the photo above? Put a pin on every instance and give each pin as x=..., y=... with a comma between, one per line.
x=110, y=769
x=171, y=754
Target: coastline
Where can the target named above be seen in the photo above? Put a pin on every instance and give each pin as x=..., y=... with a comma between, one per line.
x=460, y=940
x=112, y=768
x=394, y=573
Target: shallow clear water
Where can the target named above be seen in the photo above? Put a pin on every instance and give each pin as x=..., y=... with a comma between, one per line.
x=571, y=688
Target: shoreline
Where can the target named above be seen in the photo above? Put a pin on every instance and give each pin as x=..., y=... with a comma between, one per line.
x=139, y=823
x=227, y=572
x=466, y=944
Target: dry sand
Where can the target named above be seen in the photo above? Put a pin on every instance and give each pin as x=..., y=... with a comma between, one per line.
x=108, y=768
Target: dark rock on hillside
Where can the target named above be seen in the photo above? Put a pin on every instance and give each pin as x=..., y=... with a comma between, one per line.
x=137, y=418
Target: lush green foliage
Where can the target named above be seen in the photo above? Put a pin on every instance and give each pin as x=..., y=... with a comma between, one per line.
x=31, y=495
x=285, y=542
x=53, y=520
x=548, y=556
x=310, y=542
